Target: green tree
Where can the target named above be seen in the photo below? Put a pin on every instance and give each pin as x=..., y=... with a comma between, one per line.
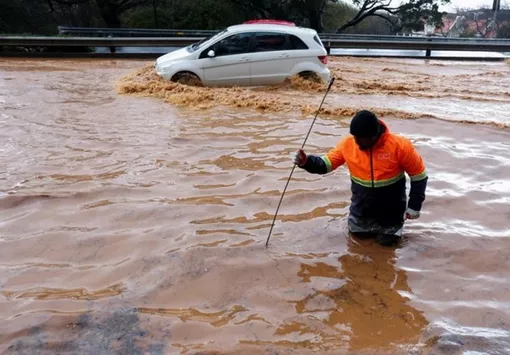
x=336, y=14
x=304, y=12
x=311, y=12
x=110, y=10
x=25, y=16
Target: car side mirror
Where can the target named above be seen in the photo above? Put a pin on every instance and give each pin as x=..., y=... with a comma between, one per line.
x=211, y=53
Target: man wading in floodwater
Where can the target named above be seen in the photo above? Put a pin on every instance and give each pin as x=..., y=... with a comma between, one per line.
x=377, y=160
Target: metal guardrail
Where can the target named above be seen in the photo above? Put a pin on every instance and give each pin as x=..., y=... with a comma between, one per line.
x=148, y=32
x=410, y=43
x=409, y=38
x=427, y=44
x=132, y=32
x=21, y=41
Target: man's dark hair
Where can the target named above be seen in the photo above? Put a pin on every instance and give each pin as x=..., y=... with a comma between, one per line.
x=365, y=124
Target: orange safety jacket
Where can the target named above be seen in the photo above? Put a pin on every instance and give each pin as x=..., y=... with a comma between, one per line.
x=378, y=176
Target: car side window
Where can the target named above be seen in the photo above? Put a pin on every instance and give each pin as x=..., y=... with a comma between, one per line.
x=236, y=44
x=269, y=41
x=318, y=40
x=297, y=43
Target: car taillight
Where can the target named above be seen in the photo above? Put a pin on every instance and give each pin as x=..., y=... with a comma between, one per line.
x=323, y=59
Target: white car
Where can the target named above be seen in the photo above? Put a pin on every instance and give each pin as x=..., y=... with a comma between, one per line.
x=251, y=54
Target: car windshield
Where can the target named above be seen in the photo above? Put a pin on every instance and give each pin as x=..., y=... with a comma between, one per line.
x=196, y=46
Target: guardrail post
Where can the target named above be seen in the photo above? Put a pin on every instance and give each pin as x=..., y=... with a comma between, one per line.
x=112, y=48
x=428, y=51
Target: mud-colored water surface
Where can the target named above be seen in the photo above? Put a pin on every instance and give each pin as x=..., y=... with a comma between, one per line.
x=134, y=213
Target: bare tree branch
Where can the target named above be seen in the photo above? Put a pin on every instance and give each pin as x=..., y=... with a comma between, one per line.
x=50, y=5
x=360, y=16
x=409, y=10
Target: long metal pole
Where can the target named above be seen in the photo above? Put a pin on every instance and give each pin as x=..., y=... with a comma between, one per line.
x=495, y=6
x=294, y=167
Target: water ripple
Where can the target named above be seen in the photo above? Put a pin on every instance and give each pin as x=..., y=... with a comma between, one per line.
x=136, y=223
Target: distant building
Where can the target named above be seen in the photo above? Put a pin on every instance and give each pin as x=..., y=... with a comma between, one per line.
x=469, y=23
x=473, y=24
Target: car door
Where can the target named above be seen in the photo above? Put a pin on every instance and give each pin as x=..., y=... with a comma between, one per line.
x=271, y=60
x=230, y=64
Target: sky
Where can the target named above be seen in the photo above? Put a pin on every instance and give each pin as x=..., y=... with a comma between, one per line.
x=468, y=4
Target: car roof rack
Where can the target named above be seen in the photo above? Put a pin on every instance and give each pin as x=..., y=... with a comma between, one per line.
x=269, y=22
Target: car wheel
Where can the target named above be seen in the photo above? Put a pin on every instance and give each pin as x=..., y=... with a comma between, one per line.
x=311, y=76
x=187, y=78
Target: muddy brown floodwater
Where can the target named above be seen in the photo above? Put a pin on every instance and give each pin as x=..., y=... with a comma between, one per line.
x=134, y=214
